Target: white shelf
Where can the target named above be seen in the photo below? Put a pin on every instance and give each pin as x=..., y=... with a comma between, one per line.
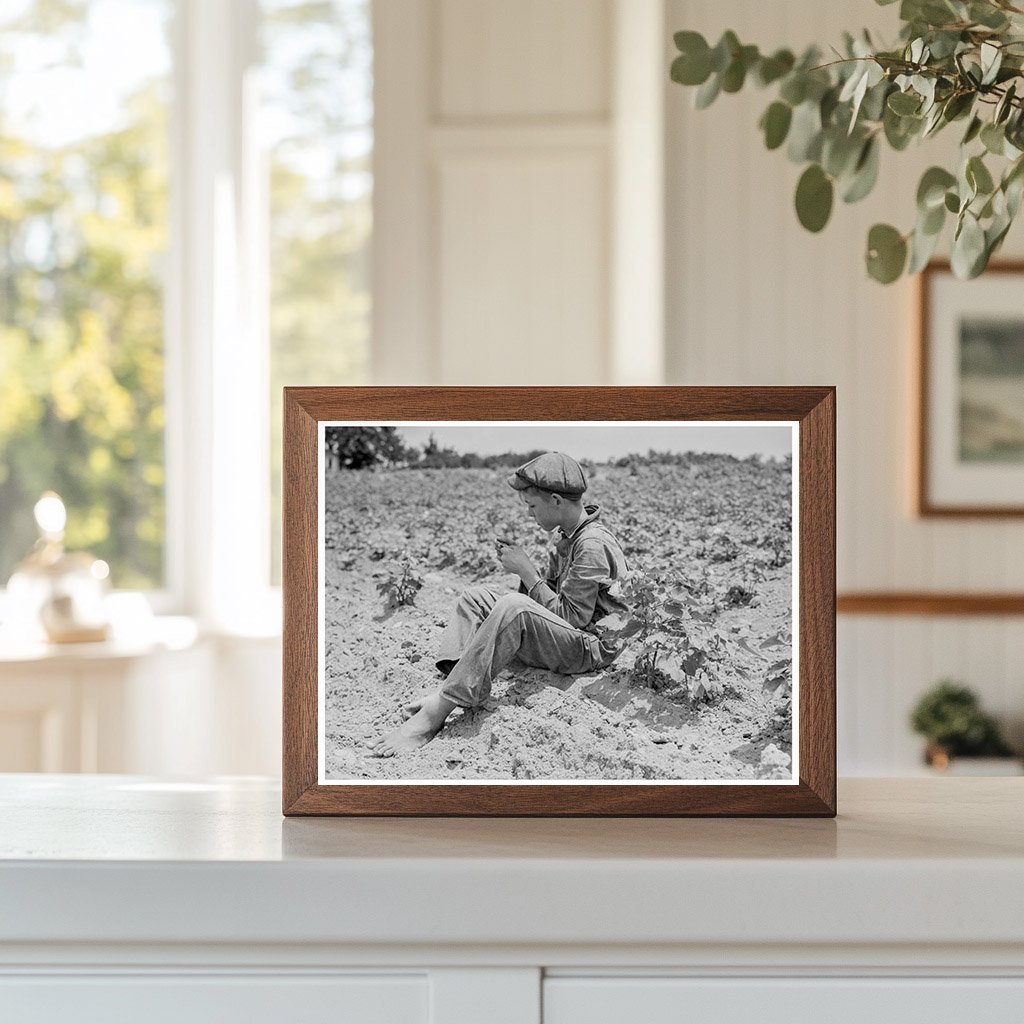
x=122, y=859
x=127, y=896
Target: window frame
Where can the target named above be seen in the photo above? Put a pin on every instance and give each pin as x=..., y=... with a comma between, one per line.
x=217, y=351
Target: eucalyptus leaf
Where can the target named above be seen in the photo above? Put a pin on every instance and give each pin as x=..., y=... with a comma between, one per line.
x=794, y=88
x=840, y=152
x=958, y=105
x=900, y=130
x=886, y=253
x=904, y=103
x=993, y=138
x=973, y=130
x=932, y=221
x=735, y=74
x=952, y=202
x=691, y=68
x=930, y=12
x=724, y=51
x=944, y=44
x=1014, y=192
x=858, y=76
x=707, y=93
x=966, y=187
x=873, y=106
x=922, y=247
x=805, y=133
x=933, y=122
x=968, y=247
x=865, y=173
x=814, y=194
x=987, y=15
x=828, y=104
x=854, y=92
x=987, y=210
x=931, y=190
x=1004, y=106
x=775, y=124
x=991, y=60
x=689, y=42
x=979, y=177
x=925, y=88
x=1013, y=187
x=771, y=69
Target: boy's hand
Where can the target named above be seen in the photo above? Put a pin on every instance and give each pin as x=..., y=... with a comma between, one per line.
x=514, y=559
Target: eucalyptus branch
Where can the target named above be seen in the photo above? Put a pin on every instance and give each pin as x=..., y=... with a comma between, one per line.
x=833, y=117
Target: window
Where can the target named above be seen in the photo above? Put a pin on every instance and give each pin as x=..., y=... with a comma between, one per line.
x=185, y=221
x=83, y=237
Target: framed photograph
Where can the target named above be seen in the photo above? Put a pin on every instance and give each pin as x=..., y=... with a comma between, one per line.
x=559, y=601
x=970, y=450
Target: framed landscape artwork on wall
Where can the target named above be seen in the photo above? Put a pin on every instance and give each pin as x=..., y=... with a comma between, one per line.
x=970, y=450
x=559, y=601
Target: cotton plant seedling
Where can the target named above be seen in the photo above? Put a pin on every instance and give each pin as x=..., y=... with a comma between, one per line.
x=674, y=644
x=778, y=676
x=400, y=587
x=957, y=61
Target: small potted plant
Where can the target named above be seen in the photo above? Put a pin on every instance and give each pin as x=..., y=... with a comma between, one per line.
x=951, y=719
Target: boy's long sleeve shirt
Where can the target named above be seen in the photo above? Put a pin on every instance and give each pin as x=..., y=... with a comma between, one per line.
x=582, y=570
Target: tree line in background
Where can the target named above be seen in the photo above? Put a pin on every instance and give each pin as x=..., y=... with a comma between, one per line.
x=383, y=448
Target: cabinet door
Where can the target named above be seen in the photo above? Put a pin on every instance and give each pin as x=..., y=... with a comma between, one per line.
x=782, y=1001
x=206, y=999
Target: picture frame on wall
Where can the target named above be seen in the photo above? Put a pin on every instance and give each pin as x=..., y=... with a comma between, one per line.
x=970, y=384
x=559, y=601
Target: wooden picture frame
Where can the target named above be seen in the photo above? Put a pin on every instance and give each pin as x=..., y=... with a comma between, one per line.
x=808, y=412
x=969, y=449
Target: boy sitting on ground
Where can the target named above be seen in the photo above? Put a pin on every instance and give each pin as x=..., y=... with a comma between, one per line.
x=549, y=623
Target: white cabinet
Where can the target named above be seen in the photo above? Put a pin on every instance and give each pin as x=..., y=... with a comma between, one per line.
x=100, y=707
x=127, y=899
x=824, y=1000
x=202, y=999
x=176, y=704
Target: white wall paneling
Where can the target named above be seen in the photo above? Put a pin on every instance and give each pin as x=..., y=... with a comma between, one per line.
x=529, y=59
x=752, y=298
x=402, y=351
x=522, y=281
x=518, y=193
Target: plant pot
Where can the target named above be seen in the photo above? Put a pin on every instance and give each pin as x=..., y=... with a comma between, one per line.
x=938, y=758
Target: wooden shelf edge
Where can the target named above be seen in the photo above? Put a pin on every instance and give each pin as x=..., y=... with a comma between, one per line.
x=928, y=603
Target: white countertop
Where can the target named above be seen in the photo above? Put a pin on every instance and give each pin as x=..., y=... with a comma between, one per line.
x=124, y=859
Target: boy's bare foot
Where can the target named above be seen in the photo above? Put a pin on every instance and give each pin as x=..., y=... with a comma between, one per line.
x=419, y=730
x=409, y=709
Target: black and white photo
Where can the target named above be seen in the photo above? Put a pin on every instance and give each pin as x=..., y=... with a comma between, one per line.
x=541, y=602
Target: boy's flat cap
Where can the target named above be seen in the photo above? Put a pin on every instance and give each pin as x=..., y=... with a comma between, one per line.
x=552, y=471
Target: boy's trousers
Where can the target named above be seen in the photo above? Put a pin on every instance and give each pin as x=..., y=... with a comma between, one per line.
x=491, y=627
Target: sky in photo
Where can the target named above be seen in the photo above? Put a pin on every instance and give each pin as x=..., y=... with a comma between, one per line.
x=608, y=441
